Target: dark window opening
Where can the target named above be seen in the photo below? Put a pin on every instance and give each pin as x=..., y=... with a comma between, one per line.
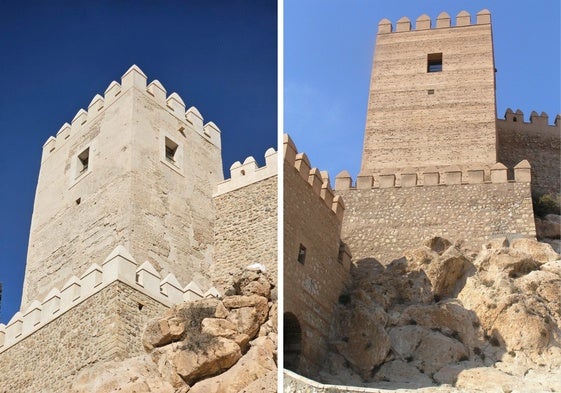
x=514, y=118
x=171, y=150
x=434, y=62
x=84, y=160
x=302, y=254
x=341, y=252
x=78, y=201
x=431, y=91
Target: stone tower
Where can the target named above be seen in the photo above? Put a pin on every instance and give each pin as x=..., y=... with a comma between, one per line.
x=432, y=95
x=135, y=170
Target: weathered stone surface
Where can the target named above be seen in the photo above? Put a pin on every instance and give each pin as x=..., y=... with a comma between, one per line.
x=219, y=327
x=257, y=363
x=405, y=374
x=546, y=228
x=540, y=252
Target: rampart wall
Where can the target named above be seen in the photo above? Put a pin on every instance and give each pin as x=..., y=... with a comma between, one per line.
x=245, y=230
x=312, y=219
x=536, y=141
x=382, y=222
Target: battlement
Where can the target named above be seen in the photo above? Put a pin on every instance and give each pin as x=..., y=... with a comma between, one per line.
x=443, y=20
x=536, y=120
x=134, y=78
x=318, y=180
x=451, y=175
x=118, y=266
x=242, y=175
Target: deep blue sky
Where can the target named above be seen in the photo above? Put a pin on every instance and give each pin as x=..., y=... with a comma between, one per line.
x=328, y=49
x=220, y=56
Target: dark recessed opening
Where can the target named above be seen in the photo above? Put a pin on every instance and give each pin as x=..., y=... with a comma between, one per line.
x=302, y=254
x=78, y=201
x=84, y=160
x=430, y=91
x=434, y=62
x=140, y=306
x=171, y=150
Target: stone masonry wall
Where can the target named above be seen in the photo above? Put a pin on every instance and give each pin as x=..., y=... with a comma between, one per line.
x=383, y=222
x=312, y=288
x=106, y=326
x=245, y=231
x=536, y=141
x=423, y=119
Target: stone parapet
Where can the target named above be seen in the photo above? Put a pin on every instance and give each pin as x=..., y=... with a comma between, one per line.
x=318, y=180
x=118, y=266
x=246, y=173
x=135, y=78
x=427, y=177
x=423, y=22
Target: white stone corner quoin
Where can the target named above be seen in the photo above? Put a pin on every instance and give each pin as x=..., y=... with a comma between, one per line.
x=118, y=266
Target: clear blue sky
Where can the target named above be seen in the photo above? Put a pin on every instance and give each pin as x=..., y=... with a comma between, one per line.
x=219, y=55
x=328, y=49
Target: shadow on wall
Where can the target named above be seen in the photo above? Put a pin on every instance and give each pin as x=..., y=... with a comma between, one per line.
x=292, y=342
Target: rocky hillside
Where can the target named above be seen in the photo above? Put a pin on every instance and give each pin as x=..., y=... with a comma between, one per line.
x=446, y=319
x=205, y=346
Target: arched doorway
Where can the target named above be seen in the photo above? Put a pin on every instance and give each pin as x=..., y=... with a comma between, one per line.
x=292, y=341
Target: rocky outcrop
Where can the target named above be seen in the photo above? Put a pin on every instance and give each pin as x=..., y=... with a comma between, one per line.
x=445, y=315
x=209, y=345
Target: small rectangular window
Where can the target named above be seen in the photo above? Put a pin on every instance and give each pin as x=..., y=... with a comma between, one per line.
x=83, y=161
x=434, y=62
x=171, y=149
x=341, y=254
x=302, y=254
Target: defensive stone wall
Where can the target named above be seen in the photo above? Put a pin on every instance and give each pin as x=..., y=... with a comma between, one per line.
x=95, y=317
x=536, y=141
x=135, y=169
x=245, y=231
x=421, y=116
x=383, y=221
x=316, y=263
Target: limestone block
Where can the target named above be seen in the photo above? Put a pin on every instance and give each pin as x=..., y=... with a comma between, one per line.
x=483, y=17
x=119, y=265
x=338, y=207
x=148, y=278
x=326, y=193
x=70, y=292
x=403, y=24
x=95, y=106
x=111, y=93
x=443, y=20
x=343, y=181
x=408, y=179
x=315, y=180
x=431, y=177
x=48, y=147
x=453, y=175
x=476, y=176
x=134, y=77
x=51, y=304
x=91, y=279
x=271, y=158
x=423, y=23
x=79, y=119
x=192, y=292
x=63, y=132
x=212, y=131
x=302, y=165
x=13, y=329
x=364, y=182
x=171, y=288
x=385, y=26
x=386, y=181
x=2, y=334
x=156, y=89
x=248, y=167
x=176, y=104
x=522, y=172
x=498, y=173
x=289, y=149
x=32, y=317
x=463, y=19
x=195, y=118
